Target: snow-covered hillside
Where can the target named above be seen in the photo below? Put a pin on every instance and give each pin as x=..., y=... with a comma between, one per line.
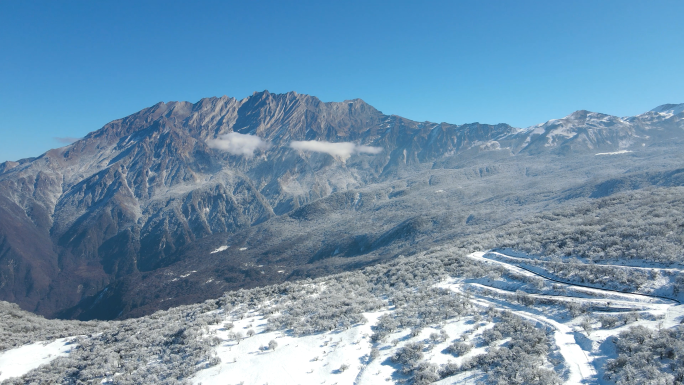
x=353, y=355
x=461, y=312
x=445, y=317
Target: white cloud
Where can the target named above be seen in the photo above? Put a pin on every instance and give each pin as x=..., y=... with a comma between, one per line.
x=342, y=150
x=239, y=144
x=368, y=150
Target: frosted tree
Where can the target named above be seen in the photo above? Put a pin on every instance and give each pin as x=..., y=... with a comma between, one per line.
x=238, y=337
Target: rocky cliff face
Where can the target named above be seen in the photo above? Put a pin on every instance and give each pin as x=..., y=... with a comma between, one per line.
x=94, y=219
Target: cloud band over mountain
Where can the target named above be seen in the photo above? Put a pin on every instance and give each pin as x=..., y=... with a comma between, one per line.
x=239, y=144
x=342, y=150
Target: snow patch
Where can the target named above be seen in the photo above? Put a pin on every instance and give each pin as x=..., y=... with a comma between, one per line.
x=19, y=361
x=220, y=249
x=311, y=359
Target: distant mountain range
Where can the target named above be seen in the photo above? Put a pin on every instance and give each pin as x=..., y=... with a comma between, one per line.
x=180, y=202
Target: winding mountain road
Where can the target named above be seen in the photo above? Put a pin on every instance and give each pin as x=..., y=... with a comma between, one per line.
x=581, y=369
x=668, y=299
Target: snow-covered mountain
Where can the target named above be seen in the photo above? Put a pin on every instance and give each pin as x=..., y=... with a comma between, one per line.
x=585, y=131
x=669, y=110
x=139, y=204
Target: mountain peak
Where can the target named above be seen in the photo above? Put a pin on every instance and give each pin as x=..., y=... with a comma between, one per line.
x=584, y=115
x=579, y=114
x=673, y=109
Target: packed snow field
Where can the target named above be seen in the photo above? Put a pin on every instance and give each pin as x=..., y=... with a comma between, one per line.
x=487, y=310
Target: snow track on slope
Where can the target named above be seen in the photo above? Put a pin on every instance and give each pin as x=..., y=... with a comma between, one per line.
x=636, y=297
x=581, y=368
x=578, y=361
x=520, y=269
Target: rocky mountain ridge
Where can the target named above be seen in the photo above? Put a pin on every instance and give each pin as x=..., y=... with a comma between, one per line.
x=127, y=201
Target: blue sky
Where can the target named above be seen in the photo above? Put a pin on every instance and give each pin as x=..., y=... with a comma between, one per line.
x=67, y=68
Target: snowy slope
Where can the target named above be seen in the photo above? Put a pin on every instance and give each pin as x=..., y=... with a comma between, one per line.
x=669, y=109
x=318, y=358
x=304, y=360
x=490, y=290
x=16, y=362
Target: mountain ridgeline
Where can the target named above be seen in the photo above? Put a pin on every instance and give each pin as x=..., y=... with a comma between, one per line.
x=149, y=212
